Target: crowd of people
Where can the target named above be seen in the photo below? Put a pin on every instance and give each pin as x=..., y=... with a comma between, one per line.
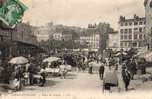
x=119, y=74
x=112, y=70
x=109, y=69
x=15, y=76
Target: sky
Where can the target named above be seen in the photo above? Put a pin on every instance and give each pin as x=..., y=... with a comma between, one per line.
x=80, y=12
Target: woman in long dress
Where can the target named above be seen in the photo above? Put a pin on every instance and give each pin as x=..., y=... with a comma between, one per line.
x=110, y=79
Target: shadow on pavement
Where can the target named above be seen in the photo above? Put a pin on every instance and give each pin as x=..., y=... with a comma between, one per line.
x=51, y=83
x=131, y=89
x=71, y=76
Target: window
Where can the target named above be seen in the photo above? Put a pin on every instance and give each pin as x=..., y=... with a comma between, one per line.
x=135, y=44
x=130, y=30
x=141, y=44
x=121, y=44
x=140, y=23
x=130, y=36
x=126, y=44
x=126, y=30
x=135, y=29
x=130, y=23
x=130, y=44
x=126, y=24
x=135, y=36
x=121, y=24
x=125, y=37
x=121, y=31
x=135, y=23
x=122, y=37
x=140, y=30
x=140, y=36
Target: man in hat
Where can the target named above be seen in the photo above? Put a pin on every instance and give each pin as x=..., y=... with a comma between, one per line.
x=31, y=73
x=101, y=71
x=126, y=77
x=43, y=76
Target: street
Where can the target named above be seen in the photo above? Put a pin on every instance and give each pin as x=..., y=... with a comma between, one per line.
x=76, y=84
x=79, y=82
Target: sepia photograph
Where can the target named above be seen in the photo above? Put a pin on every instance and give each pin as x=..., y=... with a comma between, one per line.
x=76, y=49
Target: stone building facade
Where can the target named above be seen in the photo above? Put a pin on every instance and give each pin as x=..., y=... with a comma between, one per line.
x=132, y=32
x=148, y=15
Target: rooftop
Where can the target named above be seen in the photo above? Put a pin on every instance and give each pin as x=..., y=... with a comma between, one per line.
x=135, y=18
x=114, y=32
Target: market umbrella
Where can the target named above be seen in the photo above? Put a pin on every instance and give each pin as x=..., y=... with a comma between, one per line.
x=51, y=59
x=19, y=60
x=118, y=54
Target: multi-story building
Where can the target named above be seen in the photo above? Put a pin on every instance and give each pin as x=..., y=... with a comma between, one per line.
x=132, y=32
x=25, y=34
x=18, y=41
x=57, y=36
x=42, y=33
x=148, y=15
x=113, y=40
x=92, y=41
x=67, y=36
x=60, y=36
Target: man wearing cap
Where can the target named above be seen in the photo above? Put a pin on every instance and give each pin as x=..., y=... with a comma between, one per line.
x=101, y=71
x=126, y=77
